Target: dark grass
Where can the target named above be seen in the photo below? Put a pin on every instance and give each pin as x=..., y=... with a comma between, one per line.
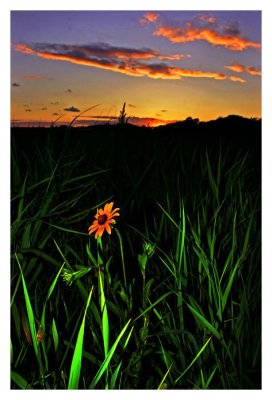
x=191, y=317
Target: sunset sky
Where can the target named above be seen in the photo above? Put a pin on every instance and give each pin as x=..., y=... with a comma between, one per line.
x=166, y=65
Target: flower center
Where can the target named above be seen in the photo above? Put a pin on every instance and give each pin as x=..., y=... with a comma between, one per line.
x=102, y=219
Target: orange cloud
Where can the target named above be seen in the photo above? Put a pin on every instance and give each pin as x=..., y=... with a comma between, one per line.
x=22, y=48
x=207, y=18
x=175, y=57
x=235, y=68
x=253, y=71
x=242, y=68
x=191, y=34
x=149, y=18
x=237, y=79
x=125, y=66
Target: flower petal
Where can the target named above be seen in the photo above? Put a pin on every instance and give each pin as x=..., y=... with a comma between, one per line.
x=108, y=207
x=113, y=215
x=94, y=224
x=101, y=230
x=108, y=229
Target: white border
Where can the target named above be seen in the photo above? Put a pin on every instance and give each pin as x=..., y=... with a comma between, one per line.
x=262, y=5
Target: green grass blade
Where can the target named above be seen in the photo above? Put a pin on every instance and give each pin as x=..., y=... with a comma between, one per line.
x=105, y=320
x=117, y=369
x=55, y=335
x=110, y=354
x=60, y=228
x=122, y=256
x=30, y=315
x=19, y=380
x=153, y=305
x=77, y=356
x=207, y=384
x=21, y=202
x=163, y=379
x=204, y=322
x=52, y=287
x=49, y=293
x=171, y=219
x=230, y=282
x=194, y=360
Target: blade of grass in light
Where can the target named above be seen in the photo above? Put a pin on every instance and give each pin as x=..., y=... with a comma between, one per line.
x=31, y=318
x=38, y=253
x=78, y=178
x=90, y=255
x=180, y=241
x=19, y=380
x=69, y=344
x=49, y=293
x=77, y=356
x=104, y=312
x=204, y=322
x=11, y=352
x=85, y=353
x=60, y=228
x=110, y=354
x=194, y=360
x=117, y=369
x=55, y=335
x=62, y=255
x=206, y=384
x=168, y=267
x=171, y=219
x=230, y=282
x=153, y=305
x=122, y=257
x=163, y=379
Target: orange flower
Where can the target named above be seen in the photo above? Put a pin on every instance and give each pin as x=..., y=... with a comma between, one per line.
x=103, y=219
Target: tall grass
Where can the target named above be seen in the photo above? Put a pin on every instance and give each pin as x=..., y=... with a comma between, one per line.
x=171, y=299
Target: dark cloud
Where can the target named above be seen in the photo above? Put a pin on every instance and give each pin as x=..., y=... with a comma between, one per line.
x=54, y=103
x=125, y=60
x=15, y=84
x=37, y=77
x=43, y=108
x=131, y=105
x=28, y=110
x=72, y=109
x=232, y=29
x=55, y=113
x=163, y=110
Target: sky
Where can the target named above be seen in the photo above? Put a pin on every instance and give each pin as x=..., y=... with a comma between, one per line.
x=166, y=65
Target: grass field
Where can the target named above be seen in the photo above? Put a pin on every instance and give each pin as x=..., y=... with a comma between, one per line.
x=172, y=298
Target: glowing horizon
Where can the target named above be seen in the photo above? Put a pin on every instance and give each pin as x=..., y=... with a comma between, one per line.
x=195, y=64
